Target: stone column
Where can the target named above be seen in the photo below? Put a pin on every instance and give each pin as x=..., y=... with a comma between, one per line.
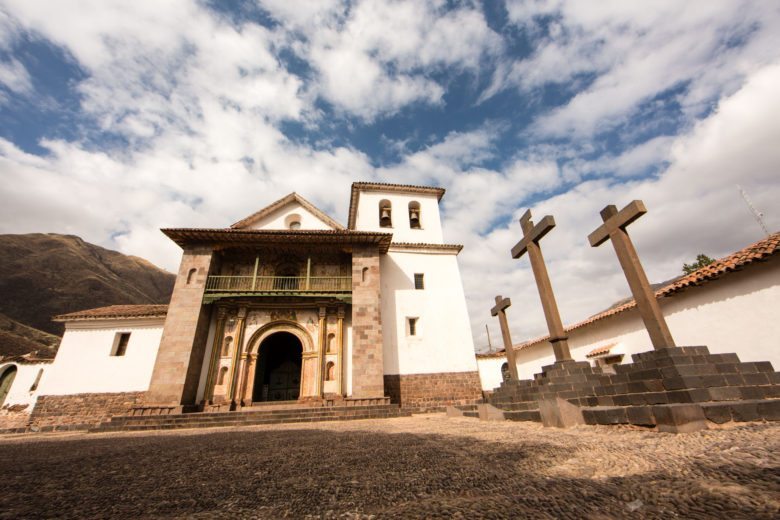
x=249, y=381
x=216, y=347
x=235, y=369
x=321, y=340
x=340, y=348
x=179, y=362
x=367, y=361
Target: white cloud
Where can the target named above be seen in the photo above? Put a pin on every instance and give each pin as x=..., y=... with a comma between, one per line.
x=374, y=57
x=635, y=52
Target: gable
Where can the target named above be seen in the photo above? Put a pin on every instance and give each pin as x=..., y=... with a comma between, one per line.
x=292, y=208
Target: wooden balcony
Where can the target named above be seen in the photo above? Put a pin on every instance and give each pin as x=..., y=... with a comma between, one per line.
x=218, y=286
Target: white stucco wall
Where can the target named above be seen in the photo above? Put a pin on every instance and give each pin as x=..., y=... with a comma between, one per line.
x=20, y=392
x=738, y=313
x=444, y=342
x=278, y=219
x=84, y=363
x=367, y=218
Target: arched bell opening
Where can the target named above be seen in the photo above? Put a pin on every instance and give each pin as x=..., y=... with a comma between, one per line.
x=278, y=371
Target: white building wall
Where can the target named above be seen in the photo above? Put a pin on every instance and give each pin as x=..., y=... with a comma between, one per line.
x=84, y=363
x=279, y=219
x=20, y=392
x=444, y=342
x=367, y=218
x=738, y=313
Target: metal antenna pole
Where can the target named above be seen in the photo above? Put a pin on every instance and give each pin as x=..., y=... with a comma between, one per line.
x=490, y=345
x=756, y=214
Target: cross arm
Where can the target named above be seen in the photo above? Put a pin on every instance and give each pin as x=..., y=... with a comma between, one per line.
x=501, y=304
x=614, y=219
x=534, y=235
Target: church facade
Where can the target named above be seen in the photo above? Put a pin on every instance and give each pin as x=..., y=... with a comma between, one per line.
x=287, y=305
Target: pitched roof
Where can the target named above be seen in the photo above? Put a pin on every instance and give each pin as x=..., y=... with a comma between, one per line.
x=760, y=251
x=358, y=187
x=292, y=197
x=598, y=351
x=116, y=312
x=252, y=237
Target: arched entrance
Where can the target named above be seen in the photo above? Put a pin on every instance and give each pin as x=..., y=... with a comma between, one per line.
x=278, y=372
x=6, y=380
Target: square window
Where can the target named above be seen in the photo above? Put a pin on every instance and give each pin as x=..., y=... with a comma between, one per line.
x=412, y=326
x=419, y=282
x=120, y=344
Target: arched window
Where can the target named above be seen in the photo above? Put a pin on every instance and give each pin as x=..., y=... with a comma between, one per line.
x=331, y=342
x=226, y=346
x=385, y=213
x=293, y=221
x=330, y=371
x=364, y=274
x=34, y=386
x=6, y=380
x=505, y=371
x=414, y=215
x=222, y=375
x=191, y=276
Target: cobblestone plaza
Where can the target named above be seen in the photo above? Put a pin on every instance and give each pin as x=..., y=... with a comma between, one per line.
x=411, y=467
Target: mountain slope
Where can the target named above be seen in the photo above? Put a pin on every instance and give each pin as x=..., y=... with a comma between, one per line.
x=17, y=339
x=42, y=275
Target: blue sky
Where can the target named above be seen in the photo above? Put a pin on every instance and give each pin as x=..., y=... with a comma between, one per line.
x=120, y=118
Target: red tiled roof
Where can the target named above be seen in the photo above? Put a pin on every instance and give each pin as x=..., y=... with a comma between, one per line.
x=757, y=252
x=116, y=312
x=604, y=349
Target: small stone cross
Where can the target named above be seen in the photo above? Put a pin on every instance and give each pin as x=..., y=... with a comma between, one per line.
x=614, y=228
x=530, y=244
x=500, y=310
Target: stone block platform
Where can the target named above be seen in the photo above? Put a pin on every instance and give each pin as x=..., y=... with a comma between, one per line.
x=652, y=390
x=251, y=416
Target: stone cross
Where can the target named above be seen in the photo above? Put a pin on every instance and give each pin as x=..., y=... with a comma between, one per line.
x=614, y=228
x=500, y=311
x=530, y=243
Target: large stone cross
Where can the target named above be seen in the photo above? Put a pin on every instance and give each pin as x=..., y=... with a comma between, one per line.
x=500, y=311
x=614, y=228
x=530, y=243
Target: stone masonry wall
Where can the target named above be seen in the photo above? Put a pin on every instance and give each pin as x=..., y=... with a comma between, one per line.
x=433, y=390
x=177, y=368
x=80, y=410
x=367, y=361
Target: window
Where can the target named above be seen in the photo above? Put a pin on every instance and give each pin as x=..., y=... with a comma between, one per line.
x=414, y=215
x=293, y=221
x=412, y=323
x=34, y=386
x=120, y=344
x=385, y=213
x=364, y=274
x=330, y=371
x=191, y=276
x=419, y=282
x=331, y=342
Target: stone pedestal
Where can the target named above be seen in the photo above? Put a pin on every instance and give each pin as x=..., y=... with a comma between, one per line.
x=651, y=390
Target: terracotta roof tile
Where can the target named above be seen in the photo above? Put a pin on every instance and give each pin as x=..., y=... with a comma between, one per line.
x=760, y=251
x=604, y=349
x=116, y=312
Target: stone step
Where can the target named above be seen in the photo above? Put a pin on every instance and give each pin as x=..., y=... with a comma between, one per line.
x=523, y=415
x=277, y=416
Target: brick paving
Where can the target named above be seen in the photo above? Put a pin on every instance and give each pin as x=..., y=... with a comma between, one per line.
x=412, y=467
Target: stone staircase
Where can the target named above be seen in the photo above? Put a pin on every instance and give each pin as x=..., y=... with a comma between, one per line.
x=677, y=385
x=250, y=416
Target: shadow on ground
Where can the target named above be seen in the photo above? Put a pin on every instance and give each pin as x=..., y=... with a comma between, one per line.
x=295, y=473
